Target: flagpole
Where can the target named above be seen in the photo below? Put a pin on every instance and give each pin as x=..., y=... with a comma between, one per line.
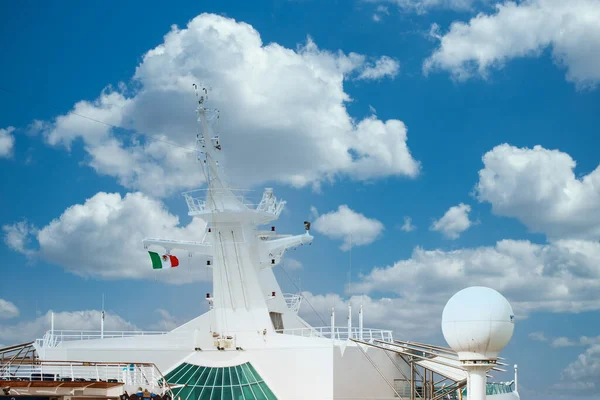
x=102, y=319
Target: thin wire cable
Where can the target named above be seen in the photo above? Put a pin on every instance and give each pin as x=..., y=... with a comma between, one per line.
x=304, y=297
x=135, y=131
x=149, y=135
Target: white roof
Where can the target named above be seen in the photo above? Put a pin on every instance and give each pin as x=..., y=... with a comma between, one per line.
x=456, y=373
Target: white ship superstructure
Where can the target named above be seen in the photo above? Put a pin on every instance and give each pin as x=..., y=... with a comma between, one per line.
x=252, y=344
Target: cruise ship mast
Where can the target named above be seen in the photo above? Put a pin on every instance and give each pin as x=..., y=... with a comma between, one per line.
x=237, y=249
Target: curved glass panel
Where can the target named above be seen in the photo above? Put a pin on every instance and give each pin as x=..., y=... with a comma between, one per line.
x=240, y=382
x=495, y=388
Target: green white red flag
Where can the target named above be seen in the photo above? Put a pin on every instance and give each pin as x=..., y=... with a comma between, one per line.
x=163, y=261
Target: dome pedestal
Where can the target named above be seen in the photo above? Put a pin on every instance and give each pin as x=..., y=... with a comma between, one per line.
x=476, y=380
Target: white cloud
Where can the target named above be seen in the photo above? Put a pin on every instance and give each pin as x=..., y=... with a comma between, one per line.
x=539, y=187
x=384, y=67
x=408, y=226
x=291, y=264
x=314, y=213
x=538, y=336
x=353, y=228
x=405, y=317
x=283, y=106
x=583, y=374
x=564, y=341
x=7, y=142
x=18, y=236
x=103, y=238
x=380, y=11
x=423, y=6
x=110, y=108
x=582, y=341
x=78, y=320
x=562, y=276
x=8, y=310
x=167, y=321
x=454, y=222
x=524, y=29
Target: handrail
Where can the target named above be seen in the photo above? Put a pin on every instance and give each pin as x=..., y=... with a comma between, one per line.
x=200, y=204
x=15, y=347
x=341, y=333
x=53, y=338
x=293, y=301
x=268, y=204
x=114, y=333
x=132, y=374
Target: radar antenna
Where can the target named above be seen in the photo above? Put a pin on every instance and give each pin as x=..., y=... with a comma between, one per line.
x=201, y=97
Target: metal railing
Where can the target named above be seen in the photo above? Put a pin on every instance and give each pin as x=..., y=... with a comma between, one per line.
x=269, y=203
x=145, y=375
x=202, y=201
x=53, y=338
x=199, y=201
x=293, y=301
x=341, y=333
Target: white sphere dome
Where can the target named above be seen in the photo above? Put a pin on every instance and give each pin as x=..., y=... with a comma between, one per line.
x=477, y=323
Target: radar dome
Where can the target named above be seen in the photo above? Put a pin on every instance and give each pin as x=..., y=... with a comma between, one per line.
x=477, y=322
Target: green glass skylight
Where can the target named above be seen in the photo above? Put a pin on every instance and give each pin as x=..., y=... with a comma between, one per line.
x=494, y=388
x=240, y=382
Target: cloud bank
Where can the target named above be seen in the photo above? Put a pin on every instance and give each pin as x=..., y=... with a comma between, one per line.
x=570, y=30
x=283, y=111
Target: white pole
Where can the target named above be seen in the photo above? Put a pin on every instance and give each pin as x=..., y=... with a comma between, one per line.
x=360, y=322
x=52, y=323
x=102, y=319
x=332, y=323
x=476, y=382
x=516, y=378
x=350, y=278
x=349, y=320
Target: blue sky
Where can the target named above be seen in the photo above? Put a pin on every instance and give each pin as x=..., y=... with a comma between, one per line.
x=495, y=80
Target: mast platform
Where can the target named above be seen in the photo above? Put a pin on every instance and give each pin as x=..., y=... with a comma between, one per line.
x=206, y=202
